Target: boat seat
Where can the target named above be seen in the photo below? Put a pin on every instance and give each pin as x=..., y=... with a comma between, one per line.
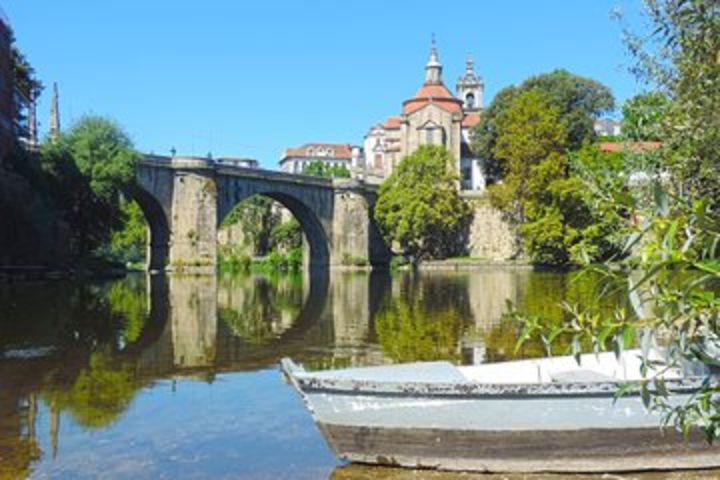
x=581, y=375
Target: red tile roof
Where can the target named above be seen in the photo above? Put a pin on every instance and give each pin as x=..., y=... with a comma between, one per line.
x=631, y=146
x=470, y=120
x=392, y=123
x=340, y=150
x=437, y=94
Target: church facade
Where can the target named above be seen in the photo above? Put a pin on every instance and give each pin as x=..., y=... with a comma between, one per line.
x=433, y=116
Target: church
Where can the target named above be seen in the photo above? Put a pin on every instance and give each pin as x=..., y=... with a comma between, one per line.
x=433, y=116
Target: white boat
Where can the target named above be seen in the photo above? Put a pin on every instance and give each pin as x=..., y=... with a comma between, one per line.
x=543, y=415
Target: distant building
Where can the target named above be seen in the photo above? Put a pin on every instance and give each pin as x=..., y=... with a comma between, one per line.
x=7, y=90
x=434, y=116
x=606, y=127
x=634, y=147
x=294, y=160
x=238, y=162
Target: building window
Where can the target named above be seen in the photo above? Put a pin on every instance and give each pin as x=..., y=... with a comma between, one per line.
x=429, y=136
x=470, y=101
x=378, y=161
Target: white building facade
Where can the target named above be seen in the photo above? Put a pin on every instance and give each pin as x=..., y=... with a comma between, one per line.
x=294, y=160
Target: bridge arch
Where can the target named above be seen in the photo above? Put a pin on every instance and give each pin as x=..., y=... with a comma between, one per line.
x=158, y=246
x=307, y=209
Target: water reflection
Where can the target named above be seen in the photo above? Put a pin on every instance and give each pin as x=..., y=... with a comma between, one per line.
x=81, y=356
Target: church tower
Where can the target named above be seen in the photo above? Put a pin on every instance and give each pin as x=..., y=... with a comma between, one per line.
x=55, y=115
x=470, y=88
x=433, y=68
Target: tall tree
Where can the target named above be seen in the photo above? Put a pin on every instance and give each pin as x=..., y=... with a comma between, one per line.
x=529, y=131
x=682, y=59
x=28, y=88
x=541, y=190
x=674, y=251
x=419, y=206
x=579, y=102
x=87, y=169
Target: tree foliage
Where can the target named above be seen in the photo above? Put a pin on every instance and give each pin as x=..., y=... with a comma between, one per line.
x=671, y=268
x=542, y=190
x=419, y=206
x=643, y=116
x=27, y=86
x=257, y=217
x=319, y=168
x=128, y=243
x=579, y=101
x=86, y=171
x=681, y=57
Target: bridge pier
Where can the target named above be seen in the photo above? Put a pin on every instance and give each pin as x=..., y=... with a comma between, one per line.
x=355, y=237
x=193, y=238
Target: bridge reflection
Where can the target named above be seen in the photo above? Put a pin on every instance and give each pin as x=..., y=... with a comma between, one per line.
x=213, y=324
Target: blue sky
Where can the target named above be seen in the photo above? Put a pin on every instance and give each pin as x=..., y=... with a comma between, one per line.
x=252, y=78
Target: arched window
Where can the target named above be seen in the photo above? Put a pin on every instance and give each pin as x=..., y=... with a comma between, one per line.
x=429, y=136
x=470, y=101
x=378, y=161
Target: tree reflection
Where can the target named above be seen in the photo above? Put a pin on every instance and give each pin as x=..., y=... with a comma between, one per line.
x=259, y=309
x=425, y=320
x=99, y=394
x=127, y=300
x=543, y=296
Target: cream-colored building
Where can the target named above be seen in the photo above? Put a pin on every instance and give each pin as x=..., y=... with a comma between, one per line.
x=433, y=116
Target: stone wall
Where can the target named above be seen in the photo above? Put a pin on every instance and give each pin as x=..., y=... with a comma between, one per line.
x=231, y=239
x=490, y=237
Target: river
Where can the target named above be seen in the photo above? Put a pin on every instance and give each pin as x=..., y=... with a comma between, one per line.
x=176, y=377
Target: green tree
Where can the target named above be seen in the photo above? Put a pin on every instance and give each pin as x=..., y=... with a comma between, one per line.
x=87, y=169
x=257, y=218
x=643, y=116
x=530, y=131
x=104, y=153
x=129, y=242
x=542, y=190
x=321, y=169
x=286, y=236
x=672, y=271
x=27, y=86
x=579, y=102
x=681, y=58
x=419, y=206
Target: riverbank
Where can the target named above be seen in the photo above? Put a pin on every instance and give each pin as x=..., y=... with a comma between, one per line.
x=30, y=273
x=473, y=264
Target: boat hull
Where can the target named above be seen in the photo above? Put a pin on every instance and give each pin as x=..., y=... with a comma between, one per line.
x=429, y=416
x=591, y=450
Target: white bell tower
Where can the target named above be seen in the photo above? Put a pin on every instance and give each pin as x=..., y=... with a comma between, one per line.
x=470, y=88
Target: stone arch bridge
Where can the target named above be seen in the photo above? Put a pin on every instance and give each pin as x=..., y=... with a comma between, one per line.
x=186, y=198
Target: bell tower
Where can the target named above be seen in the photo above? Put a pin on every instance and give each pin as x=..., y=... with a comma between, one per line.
x=470, y=88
